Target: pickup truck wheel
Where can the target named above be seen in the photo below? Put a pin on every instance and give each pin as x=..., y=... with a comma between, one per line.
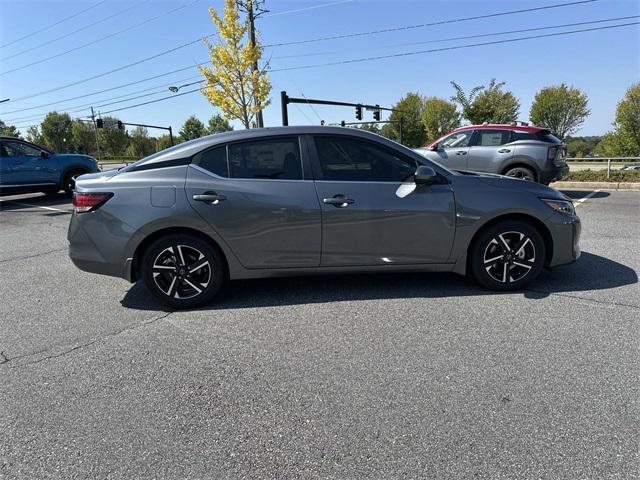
x=521, y=172
x=69, y=181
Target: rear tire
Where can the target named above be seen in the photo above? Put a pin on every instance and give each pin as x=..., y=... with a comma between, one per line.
x=182, y=270
x=521, y=172
x=507, y=255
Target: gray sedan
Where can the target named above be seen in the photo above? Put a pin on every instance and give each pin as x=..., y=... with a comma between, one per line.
x=306, y=200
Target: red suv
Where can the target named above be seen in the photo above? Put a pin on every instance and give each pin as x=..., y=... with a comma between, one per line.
x=517, y=150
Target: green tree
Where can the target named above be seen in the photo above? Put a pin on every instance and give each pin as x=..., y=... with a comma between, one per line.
x=164, y=141
x=232, y=84
x=409, y=108
x=439, y=117
x=113, y=140
x=8, y=130
x=487, y=104
x=628, y=116
x=562, y=109
x=83, y=137
x=369, y=127
x=56, y=132
x=218, y=124
x=34, y=135
x=616, y=144
x=192, y=128
x=140, y=143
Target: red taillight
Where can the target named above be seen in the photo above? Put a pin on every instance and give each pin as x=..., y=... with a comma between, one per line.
x=88, y=202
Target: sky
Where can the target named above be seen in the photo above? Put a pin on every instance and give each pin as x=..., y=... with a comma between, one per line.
x=603, y=63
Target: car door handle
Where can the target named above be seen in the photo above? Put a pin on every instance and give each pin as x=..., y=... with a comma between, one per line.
x=339, y=201
x=209, y=197
x=461, y=152
x=504, y=150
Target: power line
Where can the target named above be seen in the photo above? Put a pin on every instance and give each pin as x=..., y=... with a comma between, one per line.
x=43, y=29
x=423, y=25
x=397, y=55
x=99, y=103
x=74, y=32
x=93, y=42
x=304, y=9
x=117, y=87
x=302, y=41
x=457, y=47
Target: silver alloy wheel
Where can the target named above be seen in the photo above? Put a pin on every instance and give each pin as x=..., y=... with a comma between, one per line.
x=509, y=257
x=181, y=271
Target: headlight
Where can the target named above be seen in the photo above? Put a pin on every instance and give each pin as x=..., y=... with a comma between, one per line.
x=562, y=206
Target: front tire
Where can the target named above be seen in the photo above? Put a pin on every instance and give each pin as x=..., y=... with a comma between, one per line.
x=182, y=270
x=69, y=181
x=507, y=255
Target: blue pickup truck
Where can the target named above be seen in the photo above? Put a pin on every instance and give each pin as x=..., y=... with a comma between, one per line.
x=27, y=168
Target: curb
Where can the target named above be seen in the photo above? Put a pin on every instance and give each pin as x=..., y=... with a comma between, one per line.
x=598, y=185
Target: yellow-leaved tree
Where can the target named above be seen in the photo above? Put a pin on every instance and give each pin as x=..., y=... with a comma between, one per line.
x=233, y=84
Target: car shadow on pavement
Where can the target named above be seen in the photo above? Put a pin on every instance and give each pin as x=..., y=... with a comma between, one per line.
x=590, y=272
x=21, y=202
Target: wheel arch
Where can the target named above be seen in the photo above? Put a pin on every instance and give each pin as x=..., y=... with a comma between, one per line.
x=70, y=169
x=521, y=162
x=153, y=236
x=535, y=222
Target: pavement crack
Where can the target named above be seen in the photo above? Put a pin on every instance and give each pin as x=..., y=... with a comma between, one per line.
x=24, y=257
x=4, y=359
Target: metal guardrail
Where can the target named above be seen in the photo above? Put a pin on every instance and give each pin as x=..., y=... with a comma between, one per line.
x=608, y=160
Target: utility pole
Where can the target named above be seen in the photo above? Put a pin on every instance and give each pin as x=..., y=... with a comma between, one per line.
x=252, y=38
x=95, y=129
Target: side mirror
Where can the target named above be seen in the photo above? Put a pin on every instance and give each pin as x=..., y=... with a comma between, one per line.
x=425, y=176
x=44, y=154
x=434, y=147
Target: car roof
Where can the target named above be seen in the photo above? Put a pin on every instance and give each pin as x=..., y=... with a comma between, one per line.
x=190, y=148
x=502, y=126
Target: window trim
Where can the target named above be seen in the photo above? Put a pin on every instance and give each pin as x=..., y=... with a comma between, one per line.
x=476, y=139
x=196, y=158
x=317, y=166
x=22, y=142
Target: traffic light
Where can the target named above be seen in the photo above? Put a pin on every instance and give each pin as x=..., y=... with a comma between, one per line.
x=99, y=123
x=359, y=112
x=342, y=123
x=376, y=113
x=120, y=125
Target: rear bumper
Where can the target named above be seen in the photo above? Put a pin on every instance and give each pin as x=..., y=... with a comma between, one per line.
x=554, y=173
x=92, y=250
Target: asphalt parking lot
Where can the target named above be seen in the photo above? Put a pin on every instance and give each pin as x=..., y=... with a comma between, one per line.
x=397, y=376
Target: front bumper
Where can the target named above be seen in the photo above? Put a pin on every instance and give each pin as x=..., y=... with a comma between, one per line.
x=565, y=232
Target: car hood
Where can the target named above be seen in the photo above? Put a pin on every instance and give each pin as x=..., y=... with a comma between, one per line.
x=74, y=156
x=514, y=184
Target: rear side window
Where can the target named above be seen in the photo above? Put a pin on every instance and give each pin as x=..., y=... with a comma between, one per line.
x=547, y=136
x=215, y=161
x=523, y=136
x=492, y=138
x=273, y=159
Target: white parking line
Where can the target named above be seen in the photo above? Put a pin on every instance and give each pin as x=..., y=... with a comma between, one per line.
x=579, y=202
x=34, y=206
